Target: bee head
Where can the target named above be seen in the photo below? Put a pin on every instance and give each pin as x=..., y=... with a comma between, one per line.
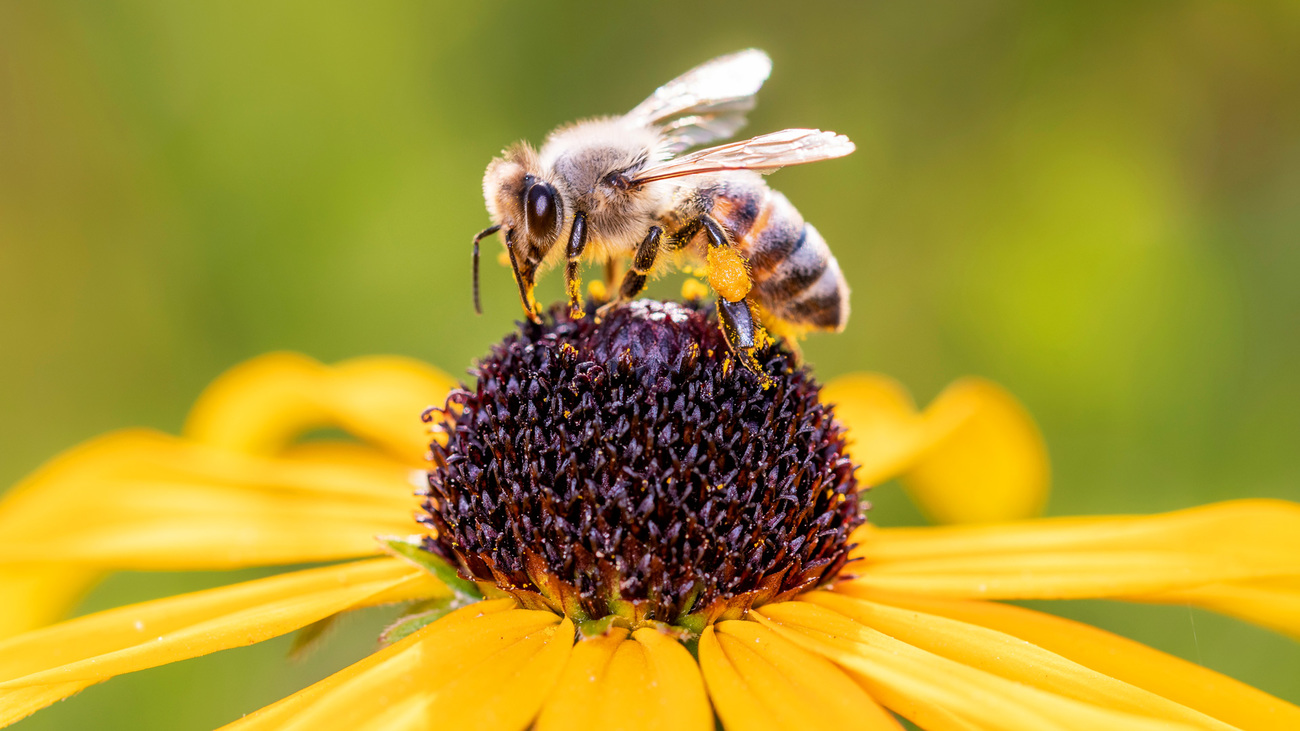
x=526, y=204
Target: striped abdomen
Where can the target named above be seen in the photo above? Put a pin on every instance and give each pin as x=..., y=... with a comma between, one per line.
x=796, y=277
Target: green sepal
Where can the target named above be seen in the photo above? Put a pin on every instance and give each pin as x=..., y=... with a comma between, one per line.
x=417, y=616
x=688, y=603
x=492, y=591
x=692, y=644
x=618, y=605
x=692, y=623
x=573, y=609
x=597, y=627
x=410, y=548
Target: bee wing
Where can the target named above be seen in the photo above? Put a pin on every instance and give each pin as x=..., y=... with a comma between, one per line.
x=706, y=103
x=698, y=129
x=764, y=154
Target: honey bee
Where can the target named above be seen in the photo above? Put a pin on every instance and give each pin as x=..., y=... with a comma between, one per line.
x=613, y=190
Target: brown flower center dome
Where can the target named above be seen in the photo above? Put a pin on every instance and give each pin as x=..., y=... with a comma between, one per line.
x=631, y=467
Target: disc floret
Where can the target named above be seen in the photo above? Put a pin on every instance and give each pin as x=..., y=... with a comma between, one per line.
x=629, y=469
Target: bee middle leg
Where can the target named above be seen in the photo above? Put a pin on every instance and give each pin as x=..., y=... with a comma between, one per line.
x=572, y=282
x=635, y=279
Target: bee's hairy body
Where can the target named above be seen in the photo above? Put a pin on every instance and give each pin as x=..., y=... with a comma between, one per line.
x=609, y=189
x=796, y=277
x=578, y=160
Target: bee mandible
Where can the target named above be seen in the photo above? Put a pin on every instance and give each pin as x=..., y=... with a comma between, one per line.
x=614, y=189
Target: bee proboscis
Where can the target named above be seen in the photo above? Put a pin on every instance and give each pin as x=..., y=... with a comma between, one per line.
x=619, y=189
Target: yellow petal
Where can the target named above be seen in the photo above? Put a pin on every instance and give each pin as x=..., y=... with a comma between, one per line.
x=276, y=715
x=145, y=501
x=1129, y=556
x=675, y=697
x=933, y=691
x=739, y=709
x=101, y=645
x=506, y=691
x=988, y=461
x=759, y=680
x=407, y=714
x=262, y=405
x=65, y=657
x=37, y=594
x=1272, y=603
x=885, y=432
x=643, y=683
x=1180, y=681
x=482, y=667
x=142, y=500
x=577, y=701
x=973, y=456
x=1009, y=657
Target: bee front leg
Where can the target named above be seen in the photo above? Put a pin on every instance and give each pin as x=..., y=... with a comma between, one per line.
x=478, y=304
x=525, y=280
x=635, y=279
x=572, y=282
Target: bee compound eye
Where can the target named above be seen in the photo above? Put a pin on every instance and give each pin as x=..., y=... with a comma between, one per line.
x=540, y=209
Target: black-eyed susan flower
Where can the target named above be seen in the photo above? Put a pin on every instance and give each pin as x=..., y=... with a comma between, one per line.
x=617, y=528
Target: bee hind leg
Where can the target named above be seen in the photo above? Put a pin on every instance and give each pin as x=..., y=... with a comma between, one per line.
x=635, y=279
x=740, y=331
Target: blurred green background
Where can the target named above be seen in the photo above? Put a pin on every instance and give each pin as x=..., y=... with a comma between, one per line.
x=1095, y=204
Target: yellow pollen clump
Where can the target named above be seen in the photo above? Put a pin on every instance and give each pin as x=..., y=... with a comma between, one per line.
x=576, y=309
x=596, y=290
x=728, y=273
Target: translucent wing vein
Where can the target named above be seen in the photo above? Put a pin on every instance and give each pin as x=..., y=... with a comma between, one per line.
x=764, y=153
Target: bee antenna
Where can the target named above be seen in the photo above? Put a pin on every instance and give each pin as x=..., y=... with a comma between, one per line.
x=478, y=306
